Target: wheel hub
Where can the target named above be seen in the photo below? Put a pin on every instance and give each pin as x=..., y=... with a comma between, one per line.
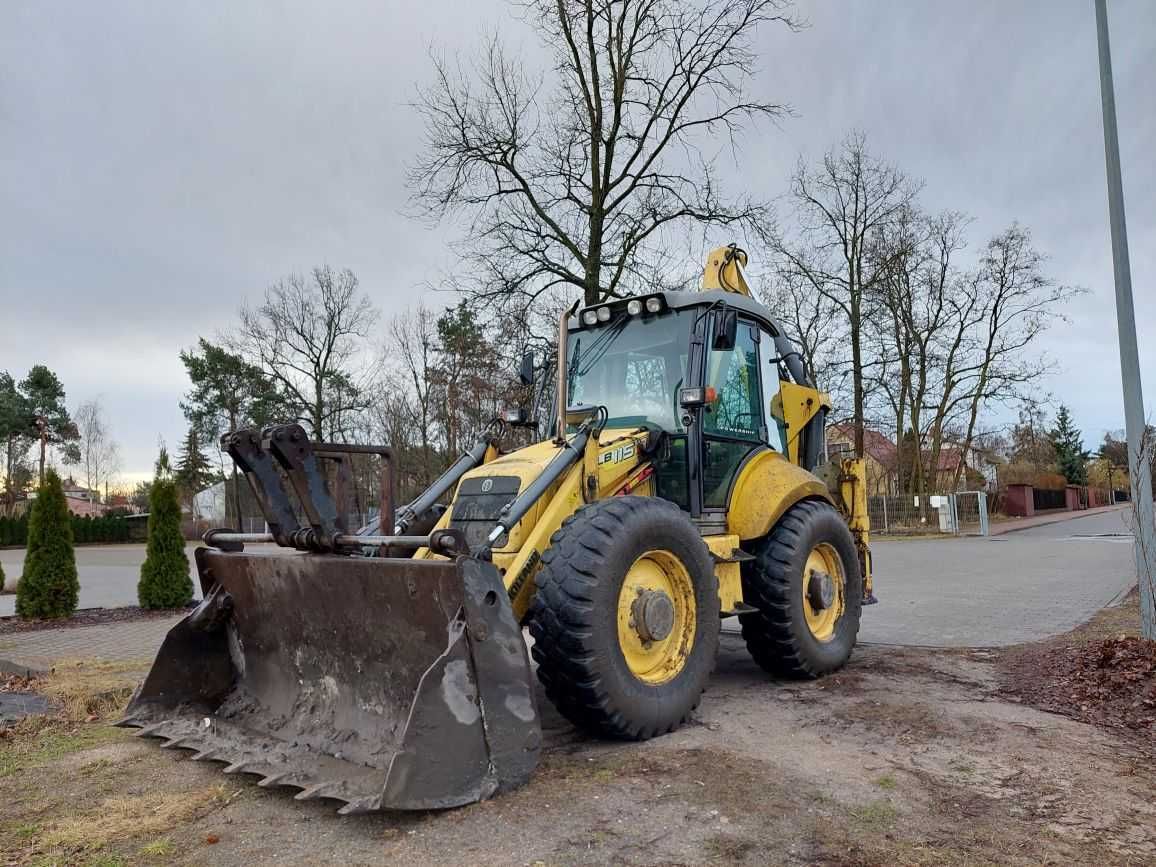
x=821, y=590
x=653, y=614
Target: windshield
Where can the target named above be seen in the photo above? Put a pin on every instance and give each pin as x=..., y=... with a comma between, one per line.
x=634, y=367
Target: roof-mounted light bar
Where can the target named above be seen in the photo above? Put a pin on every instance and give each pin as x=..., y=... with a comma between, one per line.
x=634, y=307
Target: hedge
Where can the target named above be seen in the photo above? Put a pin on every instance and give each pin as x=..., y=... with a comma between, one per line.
x=113, y=528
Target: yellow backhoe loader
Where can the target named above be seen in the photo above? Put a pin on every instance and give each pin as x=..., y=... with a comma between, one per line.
x=680, y=480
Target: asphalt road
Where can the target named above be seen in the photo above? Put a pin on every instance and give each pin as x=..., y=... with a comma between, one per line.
x=1021, y=586
x=108, y=574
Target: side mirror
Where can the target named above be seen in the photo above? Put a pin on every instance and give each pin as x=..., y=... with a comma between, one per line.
x=726, y=330
x=526, y=369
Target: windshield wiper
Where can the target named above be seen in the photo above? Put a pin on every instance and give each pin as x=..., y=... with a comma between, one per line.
x=603, y=343
x=572, y=370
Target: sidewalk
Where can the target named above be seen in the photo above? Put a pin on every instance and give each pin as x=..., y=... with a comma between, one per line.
x=998, y=528
x=134, y=641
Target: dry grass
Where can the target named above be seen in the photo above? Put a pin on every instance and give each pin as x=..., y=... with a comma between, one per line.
x=84, y=689
x=38, y=741
x=119, y=819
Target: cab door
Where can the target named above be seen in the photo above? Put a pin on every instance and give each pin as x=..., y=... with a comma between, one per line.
x=734, y=420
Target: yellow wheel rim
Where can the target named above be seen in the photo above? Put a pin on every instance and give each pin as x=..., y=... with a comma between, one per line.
x=656, y=617
x=824, y=591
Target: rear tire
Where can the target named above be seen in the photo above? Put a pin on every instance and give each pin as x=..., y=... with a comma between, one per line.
x=790, y=636
x=596, y=666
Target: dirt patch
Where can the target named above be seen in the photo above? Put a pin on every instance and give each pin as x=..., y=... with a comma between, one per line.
x=90, y=617
x=906, y=757
x=1101, y=673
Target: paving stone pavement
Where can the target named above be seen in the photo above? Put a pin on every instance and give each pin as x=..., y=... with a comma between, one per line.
x=121, y=642
x=1022, y=586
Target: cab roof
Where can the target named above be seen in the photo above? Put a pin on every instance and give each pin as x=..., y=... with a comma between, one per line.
x=684, y=300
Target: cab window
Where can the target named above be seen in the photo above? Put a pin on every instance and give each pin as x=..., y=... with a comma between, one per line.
x=733, y=422
x=734, y=375
x=772, y=401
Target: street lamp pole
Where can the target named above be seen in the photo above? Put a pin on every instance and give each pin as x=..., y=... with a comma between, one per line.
x=1138, y=451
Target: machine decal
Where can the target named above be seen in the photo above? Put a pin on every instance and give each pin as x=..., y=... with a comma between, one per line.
x=531, y=562
x=618, y=454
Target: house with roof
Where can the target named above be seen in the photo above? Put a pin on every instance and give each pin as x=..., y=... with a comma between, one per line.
x=879, y=455
x=82, y=501
x=977, y=469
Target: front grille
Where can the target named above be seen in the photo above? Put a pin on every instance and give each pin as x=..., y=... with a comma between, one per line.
x=479, y=503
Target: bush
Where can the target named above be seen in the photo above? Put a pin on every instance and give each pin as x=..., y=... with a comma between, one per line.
x=49, y=587
x=164, y=575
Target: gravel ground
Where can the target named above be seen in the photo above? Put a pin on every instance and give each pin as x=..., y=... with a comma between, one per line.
x=909, y=756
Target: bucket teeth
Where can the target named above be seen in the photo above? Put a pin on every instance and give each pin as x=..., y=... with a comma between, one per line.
x=317, y=790
x=273, y=780
x=178, y=741
x=240, y=767
x=152, y=728
x=360, y=805
x=208, y=754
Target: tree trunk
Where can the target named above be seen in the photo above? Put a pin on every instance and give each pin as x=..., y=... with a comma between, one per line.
x=592, y=291
x=857, y=375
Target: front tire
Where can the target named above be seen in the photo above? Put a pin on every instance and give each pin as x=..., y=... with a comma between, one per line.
x=625, y=620
x=805, y=626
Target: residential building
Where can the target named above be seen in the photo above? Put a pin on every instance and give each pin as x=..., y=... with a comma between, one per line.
x=879, y=456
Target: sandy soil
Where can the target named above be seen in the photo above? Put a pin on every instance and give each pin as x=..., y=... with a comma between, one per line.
x=908, y=757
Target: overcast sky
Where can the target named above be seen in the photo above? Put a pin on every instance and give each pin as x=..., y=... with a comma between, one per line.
x=161, y=162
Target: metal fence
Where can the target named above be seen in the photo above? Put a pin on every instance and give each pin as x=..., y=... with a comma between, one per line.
x=1045, y=499
x=960, y=513
x=970, y=508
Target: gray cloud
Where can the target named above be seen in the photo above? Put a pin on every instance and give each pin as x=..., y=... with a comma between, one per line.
x=161, y=162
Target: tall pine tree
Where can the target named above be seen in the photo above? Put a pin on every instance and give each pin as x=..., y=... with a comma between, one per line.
x=194, y=472
x=1071, y=457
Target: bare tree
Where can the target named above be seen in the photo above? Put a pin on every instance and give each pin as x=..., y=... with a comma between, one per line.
x=839, y=206
x=571, y=179
x=927, y=314
x=1019, y=304
x=812, y=323
x=952, y=340
x=99, y=452
x=900, y=247
x=306, y=338
x=412, y=345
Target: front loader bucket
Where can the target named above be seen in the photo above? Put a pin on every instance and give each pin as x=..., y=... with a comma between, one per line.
x=384, y=683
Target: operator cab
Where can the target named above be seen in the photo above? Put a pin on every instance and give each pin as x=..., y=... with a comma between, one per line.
x=701, y=369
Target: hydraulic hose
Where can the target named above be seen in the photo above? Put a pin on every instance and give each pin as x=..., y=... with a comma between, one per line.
x=569, y=454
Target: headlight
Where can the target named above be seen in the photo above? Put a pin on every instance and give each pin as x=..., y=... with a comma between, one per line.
x=589, y=317
x=634, y=307
x=603, y=314
x=653, y=305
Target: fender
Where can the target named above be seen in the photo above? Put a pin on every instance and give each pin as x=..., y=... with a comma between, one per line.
x=767, y=485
